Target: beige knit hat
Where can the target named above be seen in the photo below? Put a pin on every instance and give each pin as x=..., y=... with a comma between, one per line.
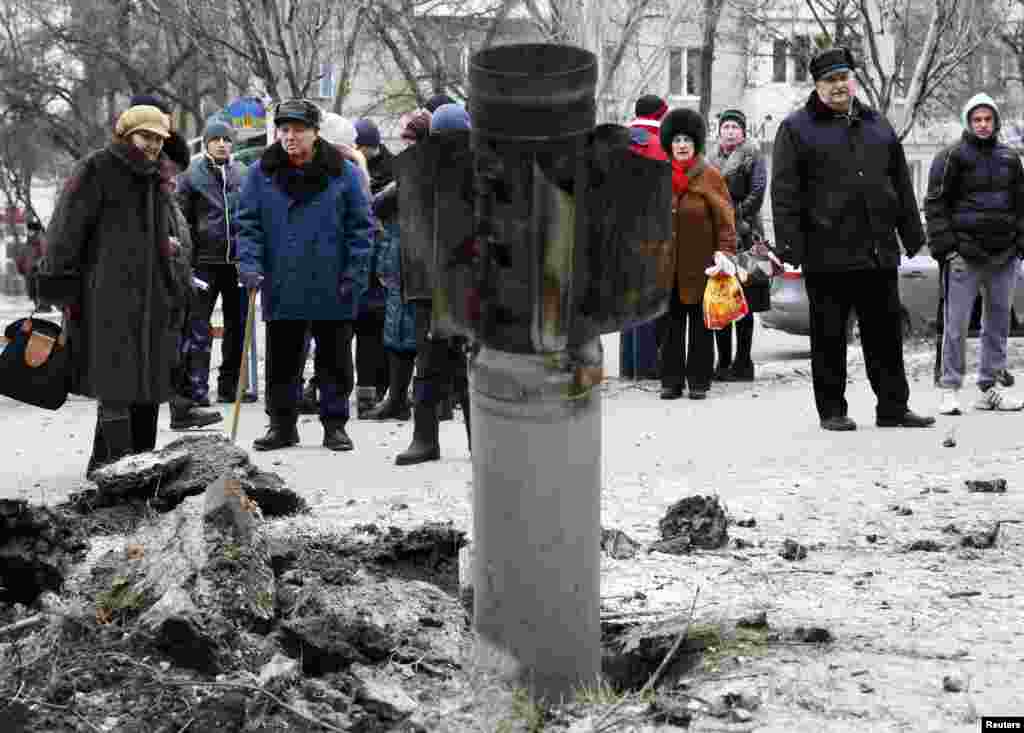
x=143, y=117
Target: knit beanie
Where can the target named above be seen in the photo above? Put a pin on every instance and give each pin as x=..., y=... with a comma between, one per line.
x=367, y=133
x=216, y=127
x=733, y=115
x=449, y=117
x=415, y=125
x=650, y=106
x=143, y=117
x=337, y=130
x=436, y=101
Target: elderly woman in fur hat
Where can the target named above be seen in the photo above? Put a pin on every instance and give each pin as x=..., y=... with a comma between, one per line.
x=746, y=176
x=705, y=233
x=117, y=228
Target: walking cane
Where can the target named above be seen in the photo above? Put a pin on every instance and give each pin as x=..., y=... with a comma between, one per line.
x=243, y=378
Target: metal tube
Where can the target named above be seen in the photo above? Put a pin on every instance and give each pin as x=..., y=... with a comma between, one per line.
x=536, y=521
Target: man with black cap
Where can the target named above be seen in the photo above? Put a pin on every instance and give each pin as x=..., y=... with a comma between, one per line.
x=208, y=194
x=841, y=191
x=304, y=232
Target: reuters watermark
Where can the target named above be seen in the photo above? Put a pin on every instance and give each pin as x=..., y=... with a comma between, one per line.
x=1002, y=722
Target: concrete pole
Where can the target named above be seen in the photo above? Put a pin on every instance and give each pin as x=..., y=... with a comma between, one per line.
x=536, y=522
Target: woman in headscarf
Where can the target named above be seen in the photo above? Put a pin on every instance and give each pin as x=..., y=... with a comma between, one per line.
x=704, y=232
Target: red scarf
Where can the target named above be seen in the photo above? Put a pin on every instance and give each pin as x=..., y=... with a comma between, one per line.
x=680, y=179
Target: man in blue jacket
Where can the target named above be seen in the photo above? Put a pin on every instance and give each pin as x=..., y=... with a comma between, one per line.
x=304, y=232
x=208, y=195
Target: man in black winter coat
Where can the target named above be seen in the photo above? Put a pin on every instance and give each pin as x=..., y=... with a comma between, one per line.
x=841, y=191
x=975, y=213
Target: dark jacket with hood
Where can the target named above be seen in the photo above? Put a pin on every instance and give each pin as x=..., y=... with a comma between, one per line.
x=746, y=175
x=208, y=194
x=975, y=202
x=307, y=231
x=841, y=190
x=112, y=227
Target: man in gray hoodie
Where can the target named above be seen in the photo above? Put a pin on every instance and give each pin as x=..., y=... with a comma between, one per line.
x=975, y=215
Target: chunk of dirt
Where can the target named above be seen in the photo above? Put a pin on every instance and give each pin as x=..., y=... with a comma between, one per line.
x=696, y=521
x=813, y=635
x=792, y=551
x=618, y=545
x=986, y=486
x=925, y=546
x=38, y=545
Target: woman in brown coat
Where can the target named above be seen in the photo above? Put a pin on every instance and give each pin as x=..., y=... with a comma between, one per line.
x=703, y=226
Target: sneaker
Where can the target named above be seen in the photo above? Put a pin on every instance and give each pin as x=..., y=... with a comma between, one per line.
x=950, y=402
x=994, y=399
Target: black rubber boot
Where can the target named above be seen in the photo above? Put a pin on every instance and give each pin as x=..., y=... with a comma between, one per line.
x=464, y=406
x=112, y=441
x=335, y=437
x=424, y=446
x=366, y=399
x=185, y=414
x=282, y=433
x=396, y=405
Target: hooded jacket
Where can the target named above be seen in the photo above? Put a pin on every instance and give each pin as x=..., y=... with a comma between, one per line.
x=975, y=201
x=841, y=191
x=208, y=195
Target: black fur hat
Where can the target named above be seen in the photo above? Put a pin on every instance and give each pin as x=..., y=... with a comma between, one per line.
x=687, y=122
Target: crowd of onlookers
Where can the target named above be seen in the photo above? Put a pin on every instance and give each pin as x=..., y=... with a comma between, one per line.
x=155, y=237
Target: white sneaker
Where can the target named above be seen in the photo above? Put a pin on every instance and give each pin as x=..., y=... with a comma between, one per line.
x=950, y=402
x=994, y=399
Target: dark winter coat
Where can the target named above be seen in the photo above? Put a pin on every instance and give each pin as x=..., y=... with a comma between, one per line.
x=399, y=318
x=841, y=190
x=975, y=202
x=382, y=172
x=746, y=175
x=111, y=226
x=307, y=231
x=208, y=194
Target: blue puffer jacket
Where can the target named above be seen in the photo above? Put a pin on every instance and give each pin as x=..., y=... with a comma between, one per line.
x=400, y=318
x=208, y=195
x=975, y=202
x=308, y=233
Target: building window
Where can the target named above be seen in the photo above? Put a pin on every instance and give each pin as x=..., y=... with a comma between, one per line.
x=675, y=72
x=693, y=71
x=801, y=57
x=327, y=80
x=779, y=47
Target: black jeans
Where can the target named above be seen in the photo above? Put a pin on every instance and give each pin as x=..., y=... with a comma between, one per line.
x=223, y=280
x=687, y=347
x=874, y=295
x=333, y=365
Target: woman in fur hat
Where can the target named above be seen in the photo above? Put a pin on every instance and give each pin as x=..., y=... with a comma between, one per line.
x=704, y=232
x=118, y=229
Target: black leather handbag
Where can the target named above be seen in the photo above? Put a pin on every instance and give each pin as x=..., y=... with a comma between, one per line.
x=35, y=364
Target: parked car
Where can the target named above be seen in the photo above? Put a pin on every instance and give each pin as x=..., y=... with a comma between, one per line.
x=919, y=294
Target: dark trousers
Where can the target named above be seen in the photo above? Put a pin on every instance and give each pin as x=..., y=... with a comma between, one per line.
x=874, y=295
x=371, y=359
x=223, y=280
x=744, y=329
x=440, y=362
x=333, y=365
x=687, y=347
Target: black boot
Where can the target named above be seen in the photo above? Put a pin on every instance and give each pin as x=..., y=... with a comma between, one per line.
x=396, y=405
x=366, y=399
x=282, y=433
x=335, y=437
x=464, y=406
x=185, y=414
x=424, y=446
x=112, y=441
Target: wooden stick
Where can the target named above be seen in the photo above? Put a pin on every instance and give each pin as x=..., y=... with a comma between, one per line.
x=243, y=377
x=26, y=623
